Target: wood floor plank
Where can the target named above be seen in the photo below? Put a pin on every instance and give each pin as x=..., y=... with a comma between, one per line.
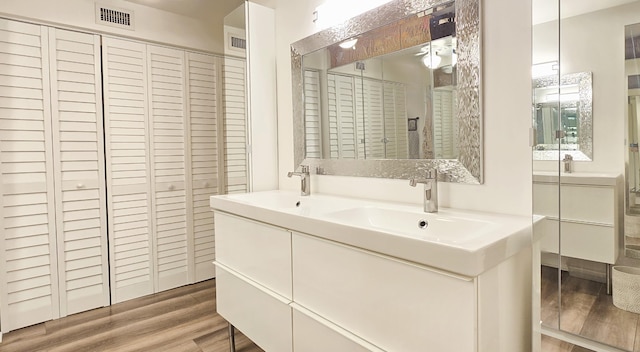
x=179, y=320
x=610, y=325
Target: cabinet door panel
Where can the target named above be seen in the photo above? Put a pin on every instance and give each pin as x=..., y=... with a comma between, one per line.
x=259, y=251
x=131, y=240
x=28, y=265
x=359, y=291
x=254, y=311
x=312, y=333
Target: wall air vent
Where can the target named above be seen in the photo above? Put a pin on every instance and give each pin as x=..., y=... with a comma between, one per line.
x=239, y=43
x=115, y=17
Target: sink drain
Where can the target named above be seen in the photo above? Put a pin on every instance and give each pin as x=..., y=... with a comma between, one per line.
x=422, y=224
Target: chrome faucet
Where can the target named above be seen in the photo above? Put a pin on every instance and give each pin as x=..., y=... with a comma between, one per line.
x=430, y=190
x=305, y=181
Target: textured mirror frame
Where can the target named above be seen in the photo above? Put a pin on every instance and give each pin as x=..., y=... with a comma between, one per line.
x=468, y=168
x=585, y=124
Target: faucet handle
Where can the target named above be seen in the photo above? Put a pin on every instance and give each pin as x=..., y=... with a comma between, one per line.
x=432, y=173
x=304, y=169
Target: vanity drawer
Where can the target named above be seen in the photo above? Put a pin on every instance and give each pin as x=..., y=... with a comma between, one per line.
x=312, y=333
x=255, y=311
x=579, y=240
x=586, y=203
x=395, y=305
x=256, y=250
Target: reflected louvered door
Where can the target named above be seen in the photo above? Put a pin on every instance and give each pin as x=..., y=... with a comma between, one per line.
x=166, y=77
x=342, y=116
x=131, y=240
x=402, y=128
x=235, y=125
x=76, y=100
x=28, y=265
x=203, y=85
x=312, y=114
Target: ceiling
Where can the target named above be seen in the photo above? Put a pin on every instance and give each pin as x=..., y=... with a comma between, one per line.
x=547, y=10
x=205, y=10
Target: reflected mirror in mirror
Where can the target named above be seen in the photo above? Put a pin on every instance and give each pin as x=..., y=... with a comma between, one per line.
x=564, y=108
x=392, y=93
x=400, y=105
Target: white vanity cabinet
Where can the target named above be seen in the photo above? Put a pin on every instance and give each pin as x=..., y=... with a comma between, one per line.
x=391, y=303
x=253, y=280
x=590, y=217
x=292, y=291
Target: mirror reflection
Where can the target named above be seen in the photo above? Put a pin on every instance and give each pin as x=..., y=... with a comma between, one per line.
x=562, y=116
x=365, y=129
x=588, y=241
x=365, y=99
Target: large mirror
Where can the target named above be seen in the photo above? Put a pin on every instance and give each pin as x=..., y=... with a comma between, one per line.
x=392, y=93
x=562, y=117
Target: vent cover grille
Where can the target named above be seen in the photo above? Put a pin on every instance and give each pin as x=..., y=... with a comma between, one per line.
x=239, y=43
x=114, y=17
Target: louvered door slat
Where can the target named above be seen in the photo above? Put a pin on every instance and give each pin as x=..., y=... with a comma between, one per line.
x=203, y=117
x=28, y=266
x=79, y=169
x=235, y=126
x=168, y=159
x=128, y=169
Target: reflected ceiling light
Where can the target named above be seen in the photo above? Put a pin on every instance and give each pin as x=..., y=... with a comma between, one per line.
x=432, y=61
x=348, y=44
x=334, y=12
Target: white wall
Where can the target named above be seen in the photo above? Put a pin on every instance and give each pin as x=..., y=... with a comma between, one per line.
x=594, y=42
x=150, y=24
x=507, y=101
x=262, y=96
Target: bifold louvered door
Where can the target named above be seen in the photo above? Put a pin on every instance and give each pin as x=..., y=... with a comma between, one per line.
x=128, y=168
x=203, y=72
x=312, y=114
x=78, y=154
x=235, y=125
x=28, y=261
x=170, y=196
x=53, y=255
x=372, y=117
x=342, y=116
x=395, y=121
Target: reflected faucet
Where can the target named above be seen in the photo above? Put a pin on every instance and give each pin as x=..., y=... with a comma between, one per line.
x=430, y=190
x=305, y=181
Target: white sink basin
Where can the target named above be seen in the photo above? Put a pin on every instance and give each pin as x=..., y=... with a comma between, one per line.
x=458, y=241
x=426, y=226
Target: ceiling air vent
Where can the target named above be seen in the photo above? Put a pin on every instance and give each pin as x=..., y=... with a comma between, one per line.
x=239, y=43
x=114, y=17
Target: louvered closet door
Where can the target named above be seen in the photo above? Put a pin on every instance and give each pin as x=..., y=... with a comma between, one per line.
x=76, y=97
x=128, y=177
x=203, y=122
x=28, y=267
x=312, y=114
x=374, y=122
x=169, y=167
x=342, y=114
x=402, y=128
x=235, y=125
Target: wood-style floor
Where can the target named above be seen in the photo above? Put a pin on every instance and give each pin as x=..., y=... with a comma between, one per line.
x=587, y=310
x=179, y=320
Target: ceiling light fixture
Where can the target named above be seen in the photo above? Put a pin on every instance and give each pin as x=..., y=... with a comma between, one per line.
x=348, y=44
